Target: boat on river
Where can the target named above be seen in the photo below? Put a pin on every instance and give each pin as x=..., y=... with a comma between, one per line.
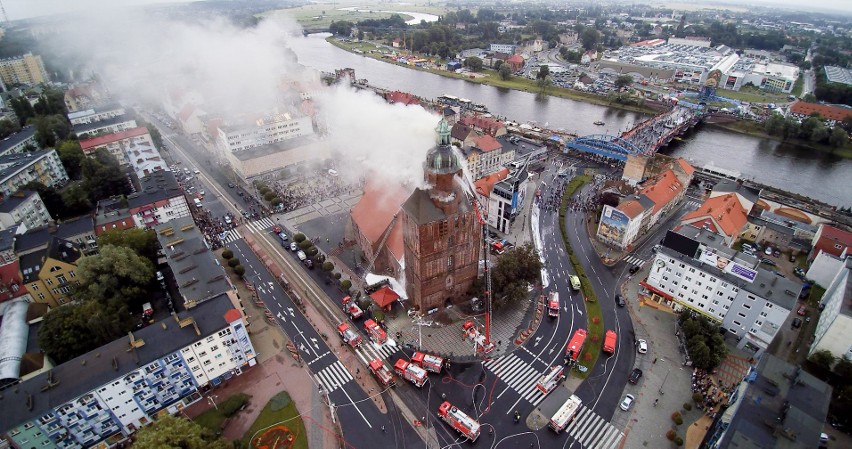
x=600, y=123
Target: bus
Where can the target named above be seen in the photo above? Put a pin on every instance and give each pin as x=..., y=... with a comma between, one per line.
x=575, y=282
x=565, y=414
x=575, y=345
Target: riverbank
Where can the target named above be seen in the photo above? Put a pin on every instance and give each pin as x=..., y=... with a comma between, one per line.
x=492, y=78
x=756, y=130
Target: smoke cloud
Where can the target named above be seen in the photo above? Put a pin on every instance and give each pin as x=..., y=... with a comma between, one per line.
x=231, y=71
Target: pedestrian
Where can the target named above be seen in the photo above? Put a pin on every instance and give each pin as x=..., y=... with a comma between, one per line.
x=655, y=360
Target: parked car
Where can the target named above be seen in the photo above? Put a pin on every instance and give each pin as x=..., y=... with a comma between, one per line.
x=797, y=323
x=627, y=402
x=620, y=301
x=768, y=251
x=642, y=346
x=634, y=269
x=776, y=253
x=768, y=262
x=792, y=258
x=231, y=185
x=294, y=246
x=635, y=375
x=309, y=263
x=802, y=311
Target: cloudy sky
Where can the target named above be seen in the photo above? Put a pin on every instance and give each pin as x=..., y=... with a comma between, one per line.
x=22, y=9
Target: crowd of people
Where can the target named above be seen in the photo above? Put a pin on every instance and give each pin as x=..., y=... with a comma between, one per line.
x=313, y=188
x=212, y=227
x=712, y=395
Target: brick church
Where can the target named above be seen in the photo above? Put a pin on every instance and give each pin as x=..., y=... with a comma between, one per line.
x=440, y=230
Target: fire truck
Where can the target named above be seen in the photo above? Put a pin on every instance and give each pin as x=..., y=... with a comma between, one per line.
x=411, y=372
x=553, y=304
x=609, y=342
x=572, y=351
x=470, y=331
x=351, y=308
x=550, y=380
x=428, y=362
x=349, y=336
x=382, y=372
x=456, y=418
x=376, y=333
x=565, y=414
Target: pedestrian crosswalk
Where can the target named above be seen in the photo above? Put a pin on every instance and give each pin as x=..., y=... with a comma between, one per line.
x=231, y=236
x=333, y=376
x=372, y=350
x=591, y=430
x=519, y=375
x=693, y=204
x=633, y=260
x=261, y=225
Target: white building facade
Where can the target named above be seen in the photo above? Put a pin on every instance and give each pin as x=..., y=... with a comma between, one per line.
x=834, y=329
x=277, y=128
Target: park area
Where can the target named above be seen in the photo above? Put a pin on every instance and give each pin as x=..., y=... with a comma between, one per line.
x=278, y=426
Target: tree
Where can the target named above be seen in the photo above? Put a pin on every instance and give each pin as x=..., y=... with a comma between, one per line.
x=473, y=63
x=823, y=359
x=103, y=177
x=328, y=267
x=543, y=84
x=505, y=72
x=8, y=127
x=23, y=109
x=774, y=125
x=543, y=72
x=623, y=81
x=117, y=276
x=72, y=158
x=227, y=254
x=819, y=134
x=75, y=329
x=76, y=197
x=589, y=37
x=50, y=129
x=809, y=98
x=240, y=270
x=498, y=63
x=177, y=432
x=143, y=242
x=514, y=272
x=838, y=137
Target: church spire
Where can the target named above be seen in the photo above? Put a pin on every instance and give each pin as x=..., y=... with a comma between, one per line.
x=443, y=130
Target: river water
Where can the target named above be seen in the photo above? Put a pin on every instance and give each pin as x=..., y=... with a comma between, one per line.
x=817, y=175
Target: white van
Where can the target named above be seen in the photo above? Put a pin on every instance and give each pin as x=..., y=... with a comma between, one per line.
x=197, y=203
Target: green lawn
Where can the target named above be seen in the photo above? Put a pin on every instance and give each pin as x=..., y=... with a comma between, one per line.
x=798, y=86
x=319, y=16
x=273, y=413
x=752, y=95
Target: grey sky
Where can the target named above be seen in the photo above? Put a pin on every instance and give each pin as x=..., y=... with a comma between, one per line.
x=22, y=9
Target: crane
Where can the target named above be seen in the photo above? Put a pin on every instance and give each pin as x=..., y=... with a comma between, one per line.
x=486, y=344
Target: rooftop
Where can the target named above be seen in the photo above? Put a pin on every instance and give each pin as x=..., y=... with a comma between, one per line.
x=662, y=190
x=14, y=200
x=63, y=250
x=159, y=186
x=114, y=137
x=11, y=164
x=7, y=239
x=486, y=143
x=728, y=186
x=27, y=132
x=838, y=75
x=376, y=208
x=725, y=213
x=485, y=184
x=34, y=397
x=276, y=147
x=85, y=128
x=197, y=272
x=826, y=111
x=70, y=229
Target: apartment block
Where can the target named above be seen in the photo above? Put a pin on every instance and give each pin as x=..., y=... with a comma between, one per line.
x=43, y=166
x=23, y=207
x=25, y=69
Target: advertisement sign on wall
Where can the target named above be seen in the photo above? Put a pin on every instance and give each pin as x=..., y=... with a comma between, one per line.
x=613, y=225
x=721, y=262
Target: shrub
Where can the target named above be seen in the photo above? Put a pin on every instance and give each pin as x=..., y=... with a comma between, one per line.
x=596, y=320
x=696, y=397
x=232, y=405
x=595, y=338
x=305, y=244
x=671, y=435
x=328, y=267
x=338, y=276
x=277, y=201
x=227, y=254
x=312, y=251
x=587, y=357
x=299, y=238
x=687, y=406
x=239, y=270
x=346, y=284
x=678, y=441
x=678, y=420
x=379, y=316
x=233, y=262
x=269, y=196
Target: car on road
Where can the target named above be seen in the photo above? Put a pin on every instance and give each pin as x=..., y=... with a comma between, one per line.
x=276, y=229
x=620, y=301
x=802, y=310
x=634, y=269
x=797, y=323
x=641, y=346
x=635, y=375
x=769, y=262
x=294, y=246
x=627, y=402
x=228, y=219
x=231, y=185
x=196, y=171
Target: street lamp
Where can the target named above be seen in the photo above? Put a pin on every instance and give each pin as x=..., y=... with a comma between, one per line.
x=664, y=380
x=211, y=400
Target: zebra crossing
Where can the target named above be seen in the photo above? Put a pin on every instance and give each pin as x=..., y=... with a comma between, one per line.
x=633, y=260
x=260, y=225
x=231, y=236
x=373, y=351
x=518, y=375
x=593, y=431
x=333, y=376
x=693, y=204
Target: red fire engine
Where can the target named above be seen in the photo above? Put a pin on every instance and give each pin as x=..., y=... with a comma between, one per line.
x=428, y=362
x=382, y=373
x=572, y=351
x=351, y=308
x=553, y=304
x=410, y=372
x=550, y=380
x=609, y=342
x=376, y=333
x=349, y=336
x=456, y=418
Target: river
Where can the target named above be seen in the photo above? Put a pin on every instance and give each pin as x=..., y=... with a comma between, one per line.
x=816, y=175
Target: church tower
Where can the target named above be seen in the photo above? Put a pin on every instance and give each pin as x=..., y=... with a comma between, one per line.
x=441, y=233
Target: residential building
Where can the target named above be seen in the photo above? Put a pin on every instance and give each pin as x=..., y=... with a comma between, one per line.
x=834, y=328
x=79, y=231
x=144, y=158
x=441, y=233
x=777, y=405
x=694, y=270
x=491, y=203
x=18, y=142
x=110, y=125
x=404, y=98
x=802, y=110
x=119, y=143
x=824, y=268
x=197, y=272
x=50, y=274
x=94, y=115
x=112, y=214
x=25, y=69
x=832, y=240
x=723, y=215
x=101, y=398
x=43, y=166
x=484, y=125
x=502, y=194
x=620, y=226
x=23, y=207
x=502, y=48
x=666, y=191
x=486, y=156
x=160, y=200
x=234, y=138
x=7, y=247
x=86, y=95
x=462, y=135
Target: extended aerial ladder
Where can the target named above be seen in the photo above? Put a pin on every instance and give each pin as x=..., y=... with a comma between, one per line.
x=486, y=344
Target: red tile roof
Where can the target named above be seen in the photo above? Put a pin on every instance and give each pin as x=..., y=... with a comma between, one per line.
x=487, y=143
x=114, y=137
x=10, y=274
x=725, y=214
x=489, y=125
x=384, y=296
x=631, y=208
x=402, y=97
x=485, y=185
x=376, y=209
x=515, y=59
x=233, y=315
x=826, y=111
x=663, y=190
x=688, y=169
x=829, y=236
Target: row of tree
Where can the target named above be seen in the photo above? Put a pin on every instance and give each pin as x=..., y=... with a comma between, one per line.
x=704, y=342
x=811, y=129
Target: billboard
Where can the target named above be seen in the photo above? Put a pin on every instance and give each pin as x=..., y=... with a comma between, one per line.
x=709, y=256
x=613, y=226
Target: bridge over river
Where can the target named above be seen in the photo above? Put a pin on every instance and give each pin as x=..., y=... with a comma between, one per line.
x=646, y=138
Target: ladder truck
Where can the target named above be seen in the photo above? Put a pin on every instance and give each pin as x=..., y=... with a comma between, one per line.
x=349, y=336
x=428, y=362
x=550, y=380
x=351, y=308
x=553, y=304
x=459, y=420
x=411, y=372
x=376, y=333
x=382, y=373
x=482, y=341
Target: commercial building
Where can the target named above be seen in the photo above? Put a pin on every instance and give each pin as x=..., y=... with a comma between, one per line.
x=43, y=166
x=25, y=69
x=840, y=75
x=285, y=158
x=18, y=142
x=776, y=405
x=24, y=208
x=235, y=138
x=502, y=194
x=621, y=225
x=101, y=398
x=694, y=270
x=119, y=143
x=502, y=48
x=834, y=328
